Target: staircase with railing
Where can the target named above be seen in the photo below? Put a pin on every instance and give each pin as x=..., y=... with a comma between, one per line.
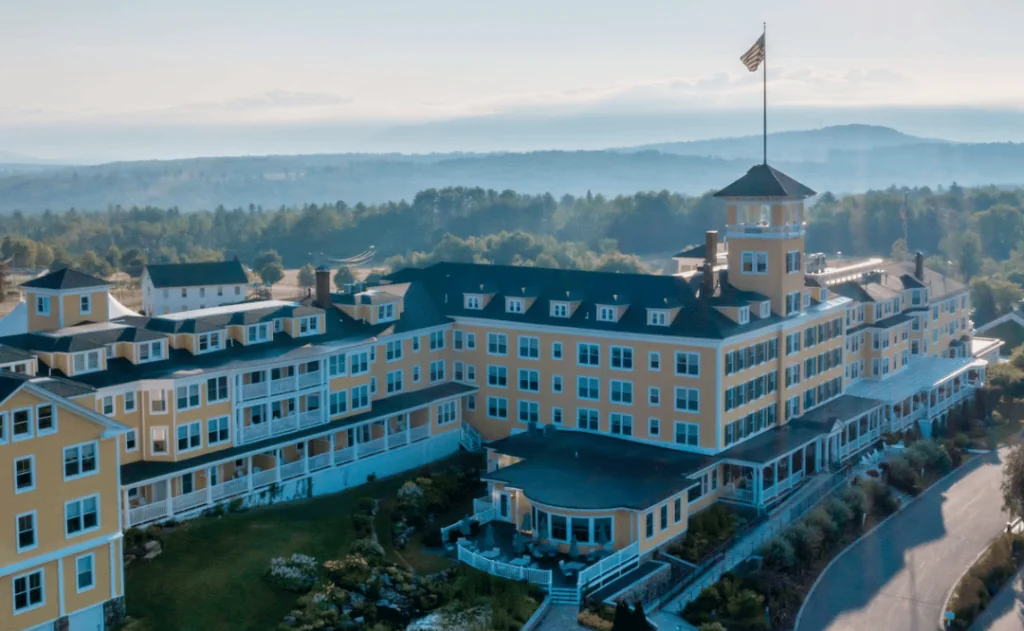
x=470, y=438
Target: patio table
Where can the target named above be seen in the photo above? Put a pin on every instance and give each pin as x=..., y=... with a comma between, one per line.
x=573, y=566
x=520, y=562
x=491, y=554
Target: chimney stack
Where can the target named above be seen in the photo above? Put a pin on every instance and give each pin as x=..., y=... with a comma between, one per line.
x=919, y=266
x=323, y=287
x=710, y=258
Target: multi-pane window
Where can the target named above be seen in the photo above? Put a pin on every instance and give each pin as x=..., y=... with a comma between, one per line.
x=190, y=436
x=393, y=350
x=649, y=525
x=158, y=440
x=677, y=510
x=687, y=364
x=131, y=440
x=559, y=310
x=82, y=515
x=654, y=396
x=622, y=357
x=217, y=430
x=792, y=302
x=621, y=424
x=687, y=399
x=28, y=591
x=129, y=401
x=663, y=513
x=497, y=344
x=588, y=354
x=497, y=376
x=209, y=341
x=654, y=426
x=474, y=303
x=79, y=460
x=84, y=576
x=606, y=314
x=386, y=313
x=588, y=388
x=437, y=340
x=188, y=397
x=216, y=389
x=529, y=412
x=529, y=347
x=336, y=365
x=471, y=341
x=657, y=318
x=338, y=402
x=622, y=392
x=793, y=262
x=359, y=363
x=416, y=344
x=654, y=361
x=26, y=525
x=258, y=333
x=437, y=371
x=529, y=380
x=556, y=383
x=515, y=305
x=754, y=262
x=687, y=433
x=416, y=374
x=556, y=350
x=446, y=413
x=556, y=416
x=24, y=474
x=394, y=381
x=360, y=397
x=497, y=407
x=587, y=418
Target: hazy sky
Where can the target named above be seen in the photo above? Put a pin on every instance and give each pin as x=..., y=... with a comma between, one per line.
x=229, y=61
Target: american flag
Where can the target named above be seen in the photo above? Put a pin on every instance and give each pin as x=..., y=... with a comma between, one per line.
x=752, y=58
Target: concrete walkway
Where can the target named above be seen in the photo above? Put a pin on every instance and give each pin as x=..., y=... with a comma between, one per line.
x=898, y=576
x=559, y=618
x=1006, y=611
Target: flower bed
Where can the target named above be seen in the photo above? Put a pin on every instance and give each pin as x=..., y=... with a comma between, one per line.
x=985, y=578
x=706, y=531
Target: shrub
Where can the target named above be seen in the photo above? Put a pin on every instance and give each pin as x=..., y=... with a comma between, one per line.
x=778, y=553
x=807, y=541
x=367, y=548
x=881, y=498
x=711, y=626
x=236, y=505
x=365, y=505
x=349, y=572
x=902, y=476
x=591, y=620
x=362, y=524
x=960, y=441
x=821, y=520
x=297, y=573
x=729, y=600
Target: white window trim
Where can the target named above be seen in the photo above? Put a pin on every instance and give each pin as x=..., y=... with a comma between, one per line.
x=135, y=402
x=87, y=300
x=31, y=424
x=83, y=531
x=79, y=475
x=42, y=586
x=44, y=300
x=32, y=459
x=92, y=572
x=623, y=383
x=152, y=440
x=136, y=447
x=611, y=358
x=35, y=535
x=53, y=410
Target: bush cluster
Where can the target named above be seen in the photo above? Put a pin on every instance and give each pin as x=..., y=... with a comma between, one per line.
x=706, y=531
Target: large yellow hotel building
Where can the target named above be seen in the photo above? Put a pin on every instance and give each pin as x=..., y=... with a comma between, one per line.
x=611, y=406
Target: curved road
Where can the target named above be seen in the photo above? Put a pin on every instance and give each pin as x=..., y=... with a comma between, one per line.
x=898, y=576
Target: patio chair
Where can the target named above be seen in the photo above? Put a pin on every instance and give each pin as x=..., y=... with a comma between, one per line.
x=565, y=572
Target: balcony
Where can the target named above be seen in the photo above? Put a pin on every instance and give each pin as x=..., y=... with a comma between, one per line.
x=254, y=390
x=309, y=379
x=188, y=501
x=227, y=489
x=282, y=385
x=311, y=418
x=293, y=469
x=371, y=447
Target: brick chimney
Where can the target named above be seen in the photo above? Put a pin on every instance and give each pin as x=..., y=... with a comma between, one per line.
x=323, y=287
x=707, y=279
x=919, y=266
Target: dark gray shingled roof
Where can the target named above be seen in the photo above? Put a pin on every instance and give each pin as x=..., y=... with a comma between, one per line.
x=448, y=282
x=197, y=274
x=9, y=354
x=90, y=336
x=593, y=471
x=395, y=404
x=66, y=278
x=765, y=181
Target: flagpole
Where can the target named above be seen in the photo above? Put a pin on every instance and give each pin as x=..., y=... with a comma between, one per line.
x=764, y=85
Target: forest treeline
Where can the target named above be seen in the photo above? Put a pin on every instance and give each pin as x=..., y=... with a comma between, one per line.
x=975, y=234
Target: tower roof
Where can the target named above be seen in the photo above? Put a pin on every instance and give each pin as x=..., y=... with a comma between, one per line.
x=65, y=278
x=765, y=181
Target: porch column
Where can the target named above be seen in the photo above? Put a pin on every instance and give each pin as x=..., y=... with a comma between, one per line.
x=387, y=433
x=817, y=455
x=408, y=428
x=209, y=487
x=305, y=457
x=789, y=467
x=170, y=500
x=277, y=464
x=755, y=486
x=333, y=459
x=248, y=474
x=355, y=442
x=127, y=510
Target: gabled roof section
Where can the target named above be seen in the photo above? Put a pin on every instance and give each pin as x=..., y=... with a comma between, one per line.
x=197, y=274
x=765, y=181
x=13, y=382
x=66, y=278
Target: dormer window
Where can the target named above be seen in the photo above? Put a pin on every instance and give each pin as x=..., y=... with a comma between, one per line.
x=657, y=318
x=43, y=305
x=606, y=314
x=86, y=362
x=515, y=305
x=308, y=325
x=151, y=351
x=386, y=313
x=474, y=303
x=257, y=333
x=766, y=309
x=743, y=315
x=559, y=310
x=209, y=341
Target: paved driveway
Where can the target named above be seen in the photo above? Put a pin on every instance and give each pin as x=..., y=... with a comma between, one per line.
x=898, y=577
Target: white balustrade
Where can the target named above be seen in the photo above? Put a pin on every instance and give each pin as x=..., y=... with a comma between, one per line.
x=311, y=417
x=187, y=501
x=342, y=456
x=371, y=447
x=292, y=469
x=419, y=432
x=284, y=424
x=254, y=390
x=229, y=488
x=396, y=440
x=284, y=384
x=319, y=461
x=263, y=478
x=309, y=379
x=148, y=512
x=254, y=432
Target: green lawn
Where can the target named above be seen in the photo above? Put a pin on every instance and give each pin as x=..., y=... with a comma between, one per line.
x=210, y=576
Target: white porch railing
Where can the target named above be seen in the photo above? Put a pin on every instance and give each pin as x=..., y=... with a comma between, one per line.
x=284, y=384
x=311, y=417
x=419, y=432
x=609, y=567
x=182, y=503
x=782, y=487
x=263, y=478
x=345, y=455
x=149, y=512
x=397, y=440
x=320, y=461
x=500, y=568
x=229, y=488
x=292, y=469
x=371, y=447
x=481, y=504
x=482, y=517
x=284, y=424
x=254, y=432
x=309, y=379
x=470, y=439
x=254, y=390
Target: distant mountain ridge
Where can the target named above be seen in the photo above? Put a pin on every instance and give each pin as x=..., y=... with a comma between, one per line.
x=812, y=145
x=845, y=159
